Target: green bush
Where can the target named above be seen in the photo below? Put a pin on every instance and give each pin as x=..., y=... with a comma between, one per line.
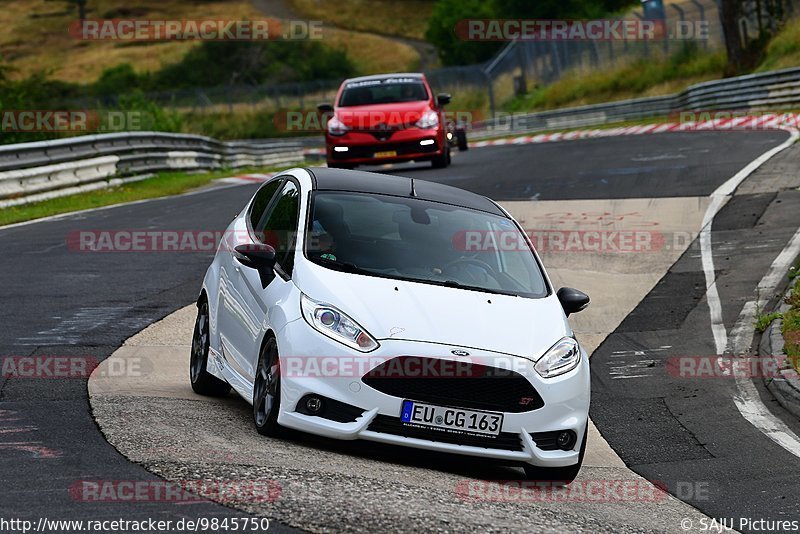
x=238, y=62
x=151, y=116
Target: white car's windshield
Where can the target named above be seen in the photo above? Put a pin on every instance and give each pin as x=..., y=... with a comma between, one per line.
x=419, y=240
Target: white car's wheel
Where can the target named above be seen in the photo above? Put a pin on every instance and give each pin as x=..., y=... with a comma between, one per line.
x=203, y=382
x=267, y=391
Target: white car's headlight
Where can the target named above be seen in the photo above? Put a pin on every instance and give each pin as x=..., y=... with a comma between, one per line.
x=562, y=357
x=336, y=325
x=430, y=119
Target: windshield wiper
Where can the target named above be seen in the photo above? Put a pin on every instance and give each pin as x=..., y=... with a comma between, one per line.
x=344, y=266
x=459, y=285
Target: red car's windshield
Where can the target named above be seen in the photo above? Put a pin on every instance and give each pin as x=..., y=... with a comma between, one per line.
x=387, y=91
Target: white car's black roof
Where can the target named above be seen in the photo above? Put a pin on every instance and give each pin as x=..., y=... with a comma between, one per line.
x=325, y=179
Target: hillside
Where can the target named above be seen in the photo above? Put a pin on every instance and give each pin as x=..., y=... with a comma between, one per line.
x=35, y=37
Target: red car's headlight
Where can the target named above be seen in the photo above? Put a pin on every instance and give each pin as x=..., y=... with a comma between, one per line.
x=336, y=127
x=429, y=119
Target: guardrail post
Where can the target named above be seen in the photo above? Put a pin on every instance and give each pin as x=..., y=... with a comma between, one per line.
x=554, y=55
x=702, y=11
x=640, y=16
x=681, y=14
x=523, y=79
x=491, y=92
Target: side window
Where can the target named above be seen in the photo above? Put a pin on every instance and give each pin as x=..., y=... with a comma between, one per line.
x=261, y=202
x=279, y=229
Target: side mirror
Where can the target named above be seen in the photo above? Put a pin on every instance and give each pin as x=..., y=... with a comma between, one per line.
x=325, y=108
x=442, y=99
x=572, y=300
x=255, y=255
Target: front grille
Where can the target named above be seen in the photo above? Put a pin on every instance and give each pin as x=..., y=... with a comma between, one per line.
x=458, y=384
x=392, y=425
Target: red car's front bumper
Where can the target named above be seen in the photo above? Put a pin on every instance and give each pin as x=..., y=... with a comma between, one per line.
x=363, y=147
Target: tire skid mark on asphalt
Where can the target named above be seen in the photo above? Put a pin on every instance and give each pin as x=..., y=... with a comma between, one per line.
x=33, y=448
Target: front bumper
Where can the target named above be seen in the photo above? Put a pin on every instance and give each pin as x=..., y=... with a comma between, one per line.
x=566, y=398
x=367, y=147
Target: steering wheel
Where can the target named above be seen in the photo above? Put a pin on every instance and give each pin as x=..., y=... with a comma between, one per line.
x=471, y=261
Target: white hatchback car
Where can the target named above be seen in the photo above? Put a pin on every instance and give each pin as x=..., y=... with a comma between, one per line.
x=357, y=305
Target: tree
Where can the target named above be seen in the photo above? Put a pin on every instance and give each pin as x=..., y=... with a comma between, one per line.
x=441, y=31
x=729, y=14
x=81, y=8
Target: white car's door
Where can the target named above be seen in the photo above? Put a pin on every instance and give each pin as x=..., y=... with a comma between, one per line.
x=232, y=316
x=257, y=291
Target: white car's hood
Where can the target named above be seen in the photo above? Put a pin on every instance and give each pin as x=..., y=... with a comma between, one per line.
x=396, y=309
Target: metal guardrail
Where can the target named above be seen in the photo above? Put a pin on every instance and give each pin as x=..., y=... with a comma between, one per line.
x=33, y=168
x=764, y=91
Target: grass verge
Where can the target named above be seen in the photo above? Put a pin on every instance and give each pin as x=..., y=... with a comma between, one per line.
x=765, y=319
x=784, y=49
x=161, y=185
x=641, y=78
x=791, y=322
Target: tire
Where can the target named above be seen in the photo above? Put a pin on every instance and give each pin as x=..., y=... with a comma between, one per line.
x=440, y=162
x=203, y=382
x=267, y=391
x=559, y=474
x=461, y=138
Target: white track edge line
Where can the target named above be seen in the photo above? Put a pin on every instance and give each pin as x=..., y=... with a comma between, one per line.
x=747, y=400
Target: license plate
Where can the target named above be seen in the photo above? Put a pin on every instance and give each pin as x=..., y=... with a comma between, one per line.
x=386, y=154
x=451, y=419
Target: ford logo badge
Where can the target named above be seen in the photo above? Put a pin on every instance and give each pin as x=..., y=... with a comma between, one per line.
x=459, y=352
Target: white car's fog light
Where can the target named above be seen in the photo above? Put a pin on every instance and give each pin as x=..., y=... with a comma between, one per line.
x=566, y=440
x=314, y=404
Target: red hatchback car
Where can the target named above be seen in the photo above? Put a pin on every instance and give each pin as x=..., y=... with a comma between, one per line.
x=387, y=118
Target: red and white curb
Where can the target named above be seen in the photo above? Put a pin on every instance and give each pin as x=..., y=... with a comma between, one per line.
x=772, y=121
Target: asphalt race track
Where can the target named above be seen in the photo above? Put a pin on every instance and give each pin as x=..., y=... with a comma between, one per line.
x=61, y=302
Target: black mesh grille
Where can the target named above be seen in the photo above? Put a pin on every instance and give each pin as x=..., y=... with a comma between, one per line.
x=392, y=425
x=459, y=384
